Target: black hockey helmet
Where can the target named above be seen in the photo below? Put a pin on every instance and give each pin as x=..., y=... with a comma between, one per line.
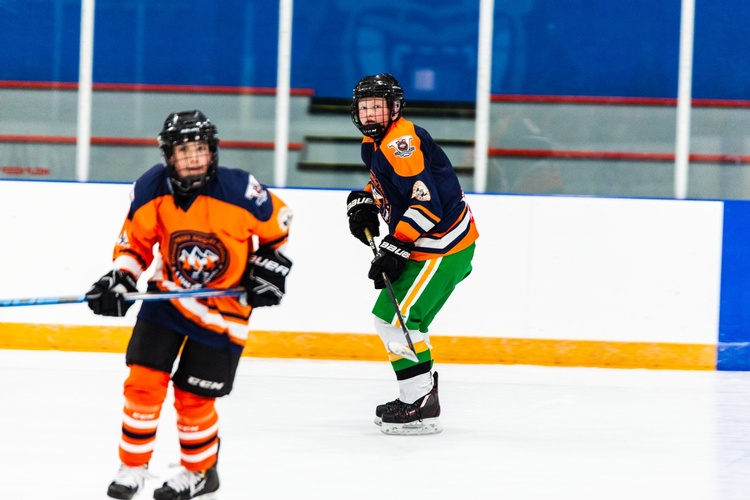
x=381, y=85
x=188, y=126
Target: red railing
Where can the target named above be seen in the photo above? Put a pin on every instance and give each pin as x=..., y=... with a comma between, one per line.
x=613, y=155
x=268, y=145
x=142, y=87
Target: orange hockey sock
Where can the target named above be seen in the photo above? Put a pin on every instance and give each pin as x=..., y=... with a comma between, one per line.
x=145, y=390
x=198, y=430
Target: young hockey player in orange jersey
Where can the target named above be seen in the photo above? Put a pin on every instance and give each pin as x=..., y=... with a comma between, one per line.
x=428, y=249
x=203, y=218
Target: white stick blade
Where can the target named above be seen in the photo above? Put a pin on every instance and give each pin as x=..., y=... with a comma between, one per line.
x=402, y=350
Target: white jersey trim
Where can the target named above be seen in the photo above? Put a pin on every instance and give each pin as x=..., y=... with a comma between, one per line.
x=129, y=264
x=419, y=219
x=449, y=239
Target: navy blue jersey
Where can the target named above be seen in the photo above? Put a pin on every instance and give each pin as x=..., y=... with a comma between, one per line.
x=418, y=192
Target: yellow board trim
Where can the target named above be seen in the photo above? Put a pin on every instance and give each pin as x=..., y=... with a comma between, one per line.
x=364, y=347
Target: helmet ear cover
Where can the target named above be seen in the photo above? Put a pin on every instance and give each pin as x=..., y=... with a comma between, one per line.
x=182, y=127
x=381, y=85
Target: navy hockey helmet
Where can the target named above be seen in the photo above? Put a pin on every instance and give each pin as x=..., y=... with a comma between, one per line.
x=381, y=85
x=188, y=126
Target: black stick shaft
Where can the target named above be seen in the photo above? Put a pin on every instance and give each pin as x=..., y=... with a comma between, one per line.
x=392, y=295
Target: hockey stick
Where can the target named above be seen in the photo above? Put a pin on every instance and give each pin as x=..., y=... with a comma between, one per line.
x=409, y=353
x=130, y=296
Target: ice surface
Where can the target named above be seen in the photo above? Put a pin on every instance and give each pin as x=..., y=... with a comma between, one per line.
x=303, y=429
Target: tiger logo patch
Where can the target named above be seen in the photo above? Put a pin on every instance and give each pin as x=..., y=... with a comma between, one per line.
x=384, y=206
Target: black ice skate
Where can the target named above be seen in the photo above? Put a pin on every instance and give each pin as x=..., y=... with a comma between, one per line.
x=389, y=407
x=128, y=481
x=187, y=485
x=420, y=417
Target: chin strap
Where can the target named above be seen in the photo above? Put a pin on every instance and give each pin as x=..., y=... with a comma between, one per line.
x=374, y=131
x=189, y=184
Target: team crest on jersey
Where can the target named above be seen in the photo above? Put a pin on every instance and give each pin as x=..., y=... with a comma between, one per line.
x=420, y=191
x=401, y=146
x=197, y=258
x=255, y=191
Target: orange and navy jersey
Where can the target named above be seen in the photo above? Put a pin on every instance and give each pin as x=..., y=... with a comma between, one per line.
x=417, y=191
x=200, y=242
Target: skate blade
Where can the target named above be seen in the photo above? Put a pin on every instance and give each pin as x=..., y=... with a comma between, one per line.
x=214, y=495
x=378, y=421
x=427, y=426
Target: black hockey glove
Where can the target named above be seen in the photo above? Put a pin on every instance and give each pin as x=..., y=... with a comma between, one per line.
x=106, y=295
x=391, y=259
x=363, y=213
x=265, y=277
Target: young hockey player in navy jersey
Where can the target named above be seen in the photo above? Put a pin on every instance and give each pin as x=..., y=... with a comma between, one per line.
x=428, y=249
x=204, y=219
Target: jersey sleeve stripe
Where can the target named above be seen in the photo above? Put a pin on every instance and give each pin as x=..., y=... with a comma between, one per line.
x=427, y=213
x=129, y=263
x=417, y=219
x=405, y=231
